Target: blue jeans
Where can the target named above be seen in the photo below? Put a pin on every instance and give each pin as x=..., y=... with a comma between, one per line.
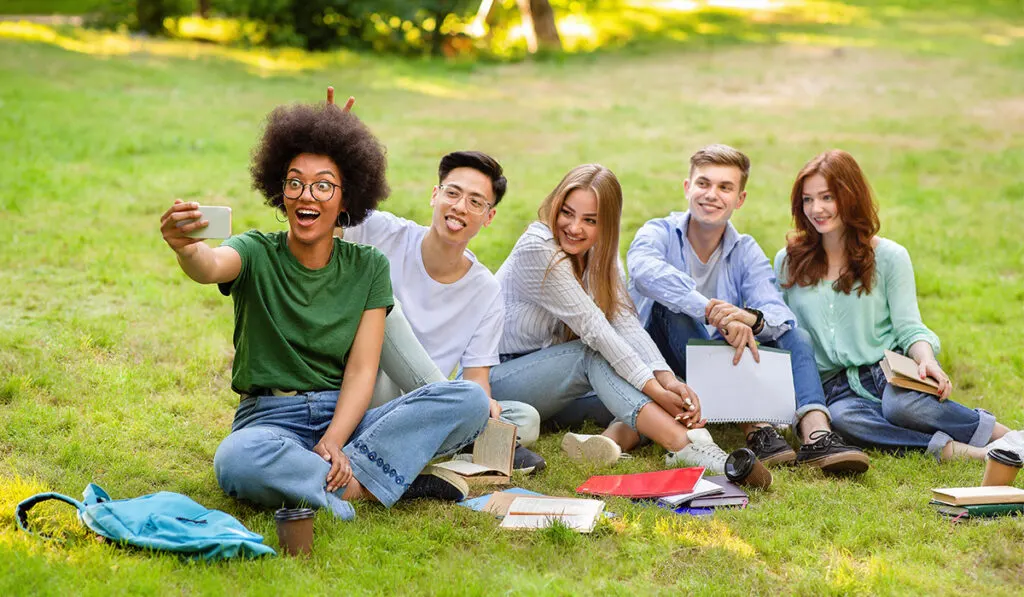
x=552, y=378
x=268, y=457
x=902, y=419
x=405, y=366
x=672, y=331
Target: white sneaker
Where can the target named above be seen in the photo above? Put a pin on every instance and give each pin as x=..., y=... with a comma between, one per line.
x=591, y=448
x=1011, y=440
x=701, y=451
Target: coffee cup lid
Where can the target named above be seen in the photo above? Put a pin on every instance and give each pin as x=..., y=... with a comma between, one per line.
x=285, y=514
x=739, y=464
x=1007, y=457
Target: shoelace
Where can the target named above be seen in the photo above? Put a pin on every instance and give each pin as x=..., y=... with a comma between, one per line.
x=710, y=449
x=822, y=440
x=760, y=438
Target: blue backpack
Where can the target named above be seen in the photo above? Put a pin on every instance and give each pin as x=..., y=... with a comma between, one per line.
x=161, y=521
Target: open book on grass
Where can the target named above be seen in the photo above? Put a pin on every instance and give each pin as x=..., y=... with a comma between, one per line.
x=541, y=512
x=492, y=456
x=702, y=488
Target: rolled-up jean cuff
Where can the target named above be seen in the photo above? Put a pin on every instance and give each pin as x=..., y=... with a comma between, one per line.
x=386, y=494
x=937, y=443
x=636, y=412
x=803, y=410
x=986, y=424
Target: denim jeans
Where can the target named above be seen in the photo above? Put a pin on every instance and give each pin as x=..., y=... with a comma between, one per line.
x=268, y=457
x=672, y=331
x=406, y=366
x=902, y=419
x=553, y=378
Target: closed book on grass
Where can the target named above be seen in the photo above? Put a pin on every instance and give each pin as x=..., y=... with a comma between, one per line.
x=538, y=513
x=978, y=510
x=901, y=372
x=492, y=456
x=968, y=496
x=644, y=485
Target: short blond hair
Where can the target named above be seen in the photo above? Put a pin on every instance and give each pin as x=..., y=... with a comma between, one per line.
x=722, y=155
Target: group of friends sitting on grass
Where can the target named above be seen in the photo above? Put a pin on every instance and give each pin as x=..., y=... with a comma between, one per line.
x=349, y=324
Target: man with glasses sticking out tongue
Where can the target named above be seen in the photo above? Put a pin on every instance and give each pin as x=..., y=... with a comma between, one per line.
x=449, y=311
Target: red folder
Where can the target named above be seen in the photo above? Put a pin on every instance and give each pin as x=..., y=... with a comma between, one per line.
x=644, y=485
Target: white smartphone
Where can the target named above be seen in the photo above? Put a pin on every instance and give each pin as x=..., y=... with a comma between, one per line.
x=219, y=226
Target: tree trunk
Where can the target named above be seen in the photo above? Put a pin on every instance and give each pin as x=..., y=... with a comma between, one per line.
x=539, y=25
x=204, y=8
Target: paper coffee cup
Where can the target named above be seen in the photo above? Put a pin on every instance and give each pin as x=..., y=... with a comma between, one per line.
x=744, y=468
x=1001, y=467
x=295, y=530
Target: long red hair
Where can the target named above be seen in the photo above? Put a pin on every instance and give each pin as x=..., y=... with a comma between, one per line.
x=806, y=260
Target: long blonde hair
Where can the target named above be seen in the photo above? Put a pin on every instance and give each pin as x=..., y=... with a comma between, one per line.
x=598, y=269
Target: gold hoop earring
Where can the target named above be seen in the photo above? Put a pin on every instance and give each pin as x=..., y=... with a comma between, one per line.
x=278, y=211
x=348, y=220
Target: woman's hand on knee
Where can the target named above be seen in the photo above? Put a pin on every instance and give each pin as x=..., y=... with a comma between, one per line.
x=931, y=368
x=341, y=470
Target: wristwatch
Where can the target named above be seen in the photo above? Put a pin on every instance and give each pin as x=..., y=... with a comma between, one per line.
x=759, y=323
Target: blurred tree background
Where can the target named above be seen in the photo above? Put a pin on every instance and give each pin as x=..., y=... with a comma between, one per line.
x=411, y=27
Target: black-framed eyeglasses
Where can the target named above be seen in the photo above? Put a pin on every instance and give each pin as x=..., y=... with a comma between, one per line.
x=452, y=194
x=321, y=190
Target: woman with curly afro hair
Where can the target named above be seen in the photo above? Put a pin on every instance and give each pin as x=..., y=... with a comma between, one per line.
x=309, y=323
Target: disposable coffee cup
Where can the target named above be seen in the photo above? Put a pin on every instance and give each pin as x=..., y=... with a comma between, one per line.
x=1001, y=467
x=295, y=530
x=744, y=468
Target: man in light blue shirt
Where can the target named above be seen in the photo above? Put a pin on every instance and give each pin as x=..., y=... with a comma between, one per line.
x=692, y=275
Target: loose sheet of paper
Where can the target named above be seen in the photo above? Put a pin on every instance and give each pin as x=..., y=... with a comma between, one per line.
x=749, y=392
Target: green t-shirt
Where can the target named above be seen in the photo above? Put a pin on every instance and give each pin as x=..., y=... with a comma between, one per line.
x=294, y=326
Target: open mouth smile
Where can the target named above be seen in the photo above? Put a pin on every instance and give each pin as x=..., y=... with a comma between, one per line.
x=454, y=223
x=306, y=216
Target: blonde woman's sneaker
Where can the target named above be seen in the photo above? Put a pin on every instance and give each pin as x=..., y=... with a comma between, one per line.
x=829, y=452
x=591, y=448
x=1011, y=440
x=701, y=451
x=769, y=447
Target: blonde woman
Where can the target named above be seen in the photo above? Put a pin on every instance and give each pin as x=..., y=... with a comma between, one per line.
x=571, y=330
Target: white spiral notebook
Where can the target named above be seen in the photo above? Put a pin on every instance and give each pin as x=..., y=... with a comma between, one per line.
x=745, y=393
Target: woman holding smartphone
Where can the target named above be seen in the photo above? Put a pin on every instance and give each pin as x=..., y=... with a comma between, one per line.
x=309, y=323
x=854, y=292
x=571, y=330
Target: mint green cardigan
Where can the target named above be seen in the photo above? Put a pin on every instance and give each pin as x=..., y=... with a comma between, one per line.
x=851, y=330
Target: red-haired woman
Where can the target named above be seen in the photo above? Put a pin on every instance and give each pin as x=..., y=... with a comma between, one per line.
x=854, y=292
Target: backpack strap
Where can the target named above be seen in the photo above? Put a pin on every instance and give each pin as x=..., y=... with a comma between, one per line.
x=21, y=512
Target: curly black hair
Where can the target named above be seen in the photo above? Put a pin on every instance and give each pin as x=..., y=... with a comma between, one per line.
x=322, y=129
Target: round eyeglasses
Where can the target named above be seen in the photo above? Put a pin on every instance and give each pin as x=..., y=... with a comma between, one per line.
x=452, y=194
x=321, y=190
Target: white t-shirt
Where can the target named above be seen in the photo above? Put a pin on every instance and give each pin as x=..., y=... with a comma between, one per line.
x=456, y=323
x=705, y=275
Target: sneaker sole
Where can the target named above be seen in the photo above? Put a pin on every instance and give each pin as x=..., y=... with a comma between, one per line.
x=453, y=478
x=845, y=463
x=779, y=458
x=597, y=449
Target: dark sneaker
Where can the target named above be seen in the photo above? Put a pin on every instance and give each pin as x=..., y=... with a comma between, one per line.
x=439, y=484
x=527, y=461
x=828, y=452
x=769, y=447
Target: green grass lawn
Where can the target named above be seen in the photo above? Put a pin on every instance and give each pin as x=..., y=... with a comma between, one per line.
x=115, y=368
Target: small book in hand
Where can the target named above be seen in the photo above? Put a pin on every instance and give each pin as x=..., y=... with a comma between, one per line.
x=901, y=371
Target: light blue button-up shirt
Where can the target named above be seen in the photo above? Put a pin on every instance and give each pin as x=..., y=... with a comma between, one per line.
x=658, y=271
